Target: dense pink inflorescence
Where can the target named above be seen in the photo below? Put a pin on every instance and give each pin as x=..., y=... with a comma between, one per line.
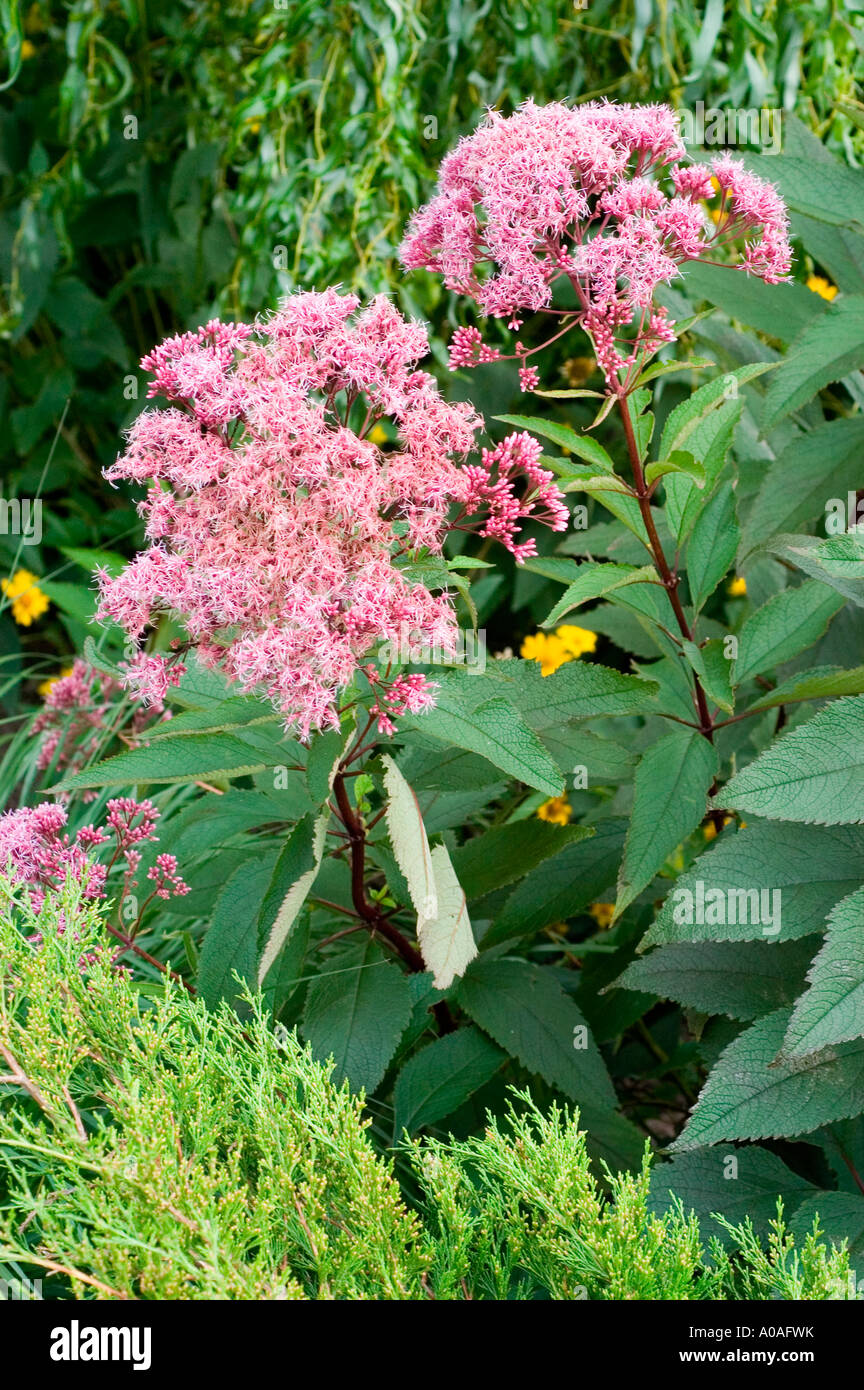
x=271, y=513
x=594, y=194
x=37, y=852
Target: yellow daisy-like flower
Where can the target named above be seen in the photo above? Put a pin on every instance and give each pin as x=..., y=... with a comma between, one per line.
x=737, y=587
x=602, y=913
x=377, y=435
x=546, y=648
x=28, y=600
x=28, y=50
x=45, y=687
x=553, y=649
x=558, y=811
x=577, y=640
x=819, y=285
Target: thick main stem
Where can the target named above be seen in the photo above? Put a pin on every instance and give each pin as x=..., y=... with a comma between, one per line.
x=370, y=912
x=670, y=580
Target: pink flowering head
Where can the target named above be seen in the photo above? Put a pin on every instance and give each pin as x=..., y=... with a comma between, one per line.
x=37, y=852
x=275, y=521
x=595, y=195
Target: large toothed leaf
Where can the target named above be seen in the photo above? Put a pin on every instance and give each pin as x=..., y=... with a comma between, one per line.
x=836, y=561
x=595, y=580
x=738, y=1183
x=577, y=690
x=742, y=980
x=794, y=488
x=753, y=1094
x=357, y=1013
x=810, y=867
x=714, y=669
x=444, y=930
x=231, y=942
x=496, y=730
x=832, y=1009
x=671, y=791
x=713, y=545
x=529, y=1015
x=190, y=759
x=814, y=773
x=293, y=876
x=409, y=840
x=825, y=351
x=818, y=684
x=787, y=624
x=687, y=416
x=441, y=1077
x=781, y=311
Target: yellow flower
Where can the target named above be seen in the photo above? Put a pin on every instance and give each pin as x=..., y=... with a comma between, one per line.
x=45, y=687
x=577, y=640
x=602, y=913
x=28, y=600
x=378, y=435
x=819, y=285
x=28, y=50
x=558, y=811
x=546, y=648
x=737, y=587
x=553, y=649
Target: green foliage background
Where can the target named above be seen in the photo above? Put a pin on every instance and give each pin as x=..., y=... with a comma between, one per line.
x=162, y=164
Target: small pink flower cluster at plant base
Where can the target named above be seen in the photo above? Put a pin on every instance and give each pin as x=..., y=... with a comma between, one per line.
x=37, y=852
x=270, y=513
x=557, y=192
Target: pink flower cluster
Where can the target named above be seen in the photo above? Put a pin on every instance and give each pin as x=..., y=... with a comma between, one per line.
x=407, y=694
x=492, y=490
x=275, y=521
x=77, y=715
x=37, y=852
x=557, y=192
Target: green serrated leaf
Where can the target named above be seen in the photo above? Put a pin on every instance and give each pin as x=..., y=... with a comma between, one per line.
x=713, y=545
x=357, y=1013
x=670, y=797
x=594, y=580
x=753, y=1094
x=741, y=980
x=191, y=759
x=523, y=1009
x=814, y=773
x=811, y=868
x=442, y=1076
x=582, y=445
x=714, y=669
x=832, y=1009
x=824, y=351
x=787, y=624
